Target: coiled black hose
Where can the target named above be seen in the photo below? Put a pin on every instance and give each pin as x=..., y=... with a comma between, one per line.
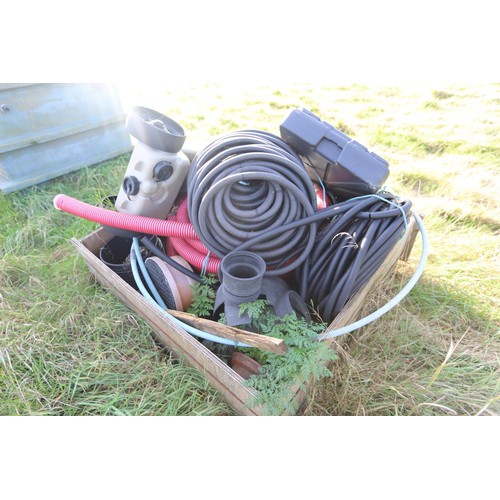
x=246, y=184
x=349, y=249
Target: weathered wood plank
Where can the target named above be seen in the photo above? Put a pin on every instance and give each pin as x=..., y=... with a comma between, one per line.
x=263, y=342
x=97, y=239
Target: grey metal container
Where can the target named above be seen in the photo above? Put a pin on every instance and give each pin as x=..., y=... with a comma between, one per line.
x=49, y=129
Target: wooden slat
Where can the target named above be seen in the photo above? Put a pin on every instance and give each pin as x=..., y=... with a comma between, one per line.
x=97, y=239
x=263, y=342
x=410, y=241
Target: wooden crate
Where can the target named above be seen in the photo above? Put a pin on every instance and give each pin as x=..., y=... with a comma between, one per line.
x=221, y=376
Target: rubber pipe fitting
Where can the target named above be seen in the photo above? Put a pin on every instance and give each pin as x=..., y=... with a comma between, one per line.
x=155, y=129
x=241, y=276
x=242, y=280
x=174, y=287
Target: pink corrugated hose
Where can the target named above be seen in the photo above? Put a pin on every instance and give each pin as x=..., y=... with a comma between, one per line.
x=180, y=232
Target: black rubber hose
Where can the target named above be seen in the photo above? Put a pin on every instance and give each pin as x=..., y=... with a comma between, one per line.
x=249, y=190
x=349, y=250
x=246, y=186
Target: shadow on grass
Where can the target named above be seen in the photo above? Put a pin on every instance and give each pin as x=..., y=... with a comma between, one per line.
x=450, y=307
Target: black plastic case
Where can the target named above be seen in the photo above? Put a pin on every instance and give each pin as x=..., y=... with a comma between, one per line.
x=344, y=166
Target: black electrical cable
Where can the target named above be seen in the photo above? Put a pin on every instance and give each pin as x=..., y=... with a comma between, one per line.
x=246, y=184
x=349, y=250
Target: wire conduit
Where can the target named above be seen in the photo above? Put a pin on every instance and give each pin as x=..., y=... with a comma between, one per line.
x=120, y=220
x=246, y=184
x=396, y=299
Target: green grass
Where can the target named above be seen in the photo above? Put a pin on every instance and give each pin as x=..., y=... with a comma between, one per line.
x=68, y=347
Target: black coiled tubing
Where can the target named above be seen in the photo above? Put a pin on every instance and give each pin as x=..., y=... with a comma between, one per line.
x=349, y=248
x=246, y=184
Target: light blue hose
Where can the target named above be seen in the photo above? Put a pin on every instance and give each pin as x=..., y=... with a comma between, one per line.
x=136, y=257
x=136, y=252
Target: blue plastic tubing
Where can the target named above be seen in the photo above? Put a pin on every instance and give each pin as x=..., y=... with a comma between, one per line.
x=136, y=257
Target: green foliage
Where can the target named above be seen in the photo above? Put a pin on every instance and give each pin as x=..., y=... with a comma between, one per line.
x=305, y=360
x=203, y=297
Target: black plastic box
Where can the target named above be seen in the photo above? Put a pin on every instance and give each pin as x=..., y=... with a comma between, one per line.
x=344, y=166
